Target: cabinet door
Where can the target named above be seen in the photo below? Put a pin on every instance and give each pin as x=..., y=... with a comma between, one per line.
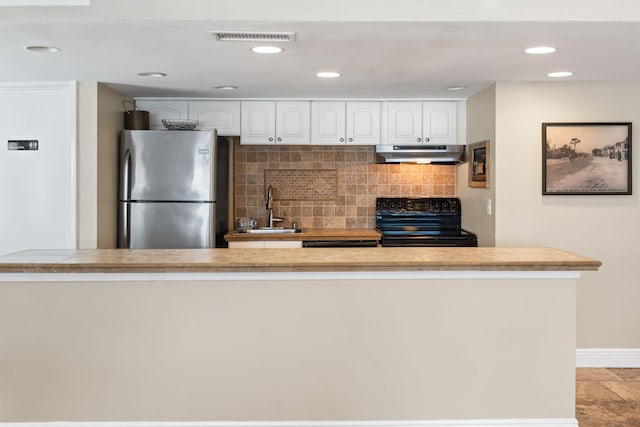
x=404, y=123
x=363, y=123
x=258, y=124
x=328, y=122
x=439, y=122
x=163, y=109
x=292, y=122
x=224, y=116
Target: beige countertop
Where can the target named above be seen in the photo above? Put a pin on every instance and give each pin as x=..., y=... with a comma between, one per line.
x=309, y=234
x=294, y=260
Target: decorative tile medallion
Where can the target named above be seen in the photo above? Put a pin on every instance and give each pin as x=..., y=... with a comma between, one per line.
x=302, y=184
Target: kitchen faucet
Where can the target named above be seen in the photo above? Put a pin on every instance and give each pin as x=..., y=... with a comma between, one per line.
x=271, y=219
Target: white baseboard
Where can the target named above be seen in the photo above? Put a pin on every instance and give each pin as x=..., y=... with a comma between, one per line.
x=518, y=422
x=608, y=358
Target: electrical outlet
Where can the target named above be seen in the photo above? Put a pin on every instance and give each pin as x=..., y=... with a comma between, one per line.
x=488, y=206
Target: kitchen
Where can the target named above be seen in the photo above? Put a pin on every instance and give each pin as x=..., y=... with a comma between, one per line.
x=510, y=115
x=319, y=181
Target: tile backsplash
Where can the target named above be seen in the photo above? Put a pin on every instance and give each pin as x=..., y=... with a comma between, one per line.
x=328, y=186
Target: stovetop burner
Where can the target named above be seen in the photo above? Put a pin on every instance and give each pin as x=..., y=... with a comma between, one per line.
x=422, y=222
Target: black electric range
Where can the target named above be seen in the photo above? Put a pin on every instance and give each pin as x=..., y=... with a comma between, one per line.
x=433, y=221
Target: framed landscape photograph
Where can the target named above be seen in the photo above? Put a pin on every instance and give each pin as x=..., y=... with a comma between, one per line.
x=586, y=158
x=479, y=164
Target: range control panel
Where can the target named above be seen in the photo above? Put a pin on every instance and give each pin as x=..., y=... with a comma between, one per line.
x=434, y=205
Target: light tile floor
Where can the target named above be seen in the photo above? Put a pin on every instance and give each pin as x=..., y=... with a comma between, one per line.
x=608, y=397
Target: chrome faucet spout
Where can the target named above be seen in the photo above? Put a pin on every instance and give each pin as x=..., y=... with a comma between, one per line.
x=270, y=218
x=269, y=197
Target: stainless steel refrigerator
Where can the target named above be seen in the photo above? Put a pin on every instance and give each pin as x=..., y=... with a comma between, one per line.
x=173, y=189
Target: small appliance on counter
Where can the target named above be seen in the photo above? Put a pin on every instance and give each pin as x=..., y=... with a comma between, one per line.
x=173, y=189
x=422, y=222
x=246, y=223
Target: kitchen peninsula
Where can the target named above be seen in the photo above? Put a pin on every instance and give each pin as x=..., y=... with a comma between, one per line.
x=322, y=335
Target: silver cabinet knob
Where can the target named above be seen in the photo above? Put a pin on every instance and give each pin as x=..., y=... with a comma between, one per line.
x=341, y=139
x=270, y=138
x=350, y=139
x=419, y=140
x=279, y=139
x=426, y=139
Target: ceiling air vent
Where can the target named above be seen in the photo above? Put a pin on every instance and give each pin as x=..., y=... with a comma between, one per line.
x=253, y=36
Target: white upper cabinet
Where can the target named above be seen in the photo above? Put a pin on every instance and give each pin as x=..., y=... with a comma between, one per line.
x=270, y=122
x=224, y=116
x=293, y=122
x=258, y=123
x=404, y=123
x=429, y=122
x=439, y=122
x=221, y=115
x=363, y=123
x=328, y=122
x=163, y=109
x=356, y=123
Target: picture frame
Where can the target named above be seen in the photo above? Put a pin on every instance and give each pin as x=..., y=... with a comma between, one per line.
x=479, y=164
x=586, y=158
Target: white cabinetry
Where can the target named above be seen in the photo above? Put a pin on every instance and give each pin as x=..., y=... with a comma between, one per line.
x=221, y=115
x=414, y=123
x=163, y=109
x=439, y=122
x=318, y=122
x=270, y=122
x=336, y=123
x=404, y=121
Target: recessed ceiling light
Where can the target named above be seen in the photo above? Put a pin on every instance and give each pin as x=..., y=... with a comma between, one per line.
x=152, y=74
x=267, y=49
x=540, y=50
x=328, y=74
x=226, y=87
x=43, y=49
x=456, y=87
x=560, y=74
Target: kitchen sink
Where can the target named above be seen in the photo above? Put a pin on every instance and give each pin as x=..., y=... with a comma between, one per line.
x=270, y=230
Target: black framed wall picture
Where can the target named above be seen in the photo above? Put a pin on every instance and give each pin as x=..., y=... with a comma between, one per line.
x=586, y=158
x=479, y=164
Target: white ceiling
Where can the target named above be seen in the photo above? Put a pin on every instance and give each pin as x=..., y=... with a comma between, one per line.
x=400, y=58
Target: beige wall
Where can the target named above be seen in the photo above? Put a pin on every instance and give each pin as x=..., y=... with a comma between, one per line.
x=100, y=119
x=87, y=165
x=602, y=227
x=287, y=350
x=481, y=126
x=110, y=122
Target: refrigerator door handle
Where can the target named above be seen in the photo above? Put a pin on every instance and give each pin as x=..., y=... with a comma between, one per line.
x=124, y=237
x=125, y=175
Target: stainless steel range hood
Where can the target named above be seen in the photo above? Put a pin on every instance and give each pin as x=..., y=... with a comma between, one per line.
x=434, y=154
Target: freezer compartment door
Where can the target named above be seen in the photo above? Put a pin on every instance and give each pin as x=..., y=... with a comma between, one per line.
x=166, y=225
x=167, y=165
